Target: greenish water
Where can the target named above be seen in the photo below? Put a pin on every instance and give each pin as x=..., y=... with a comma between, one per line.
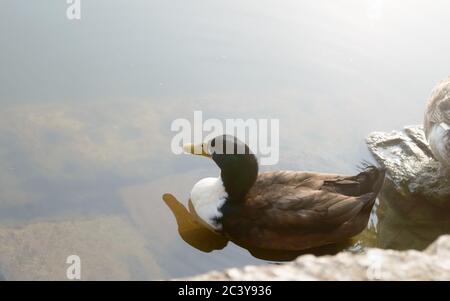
x=86, y=108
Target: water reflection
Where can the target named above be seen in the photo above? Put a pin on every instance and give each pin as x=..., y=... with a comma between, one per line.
x=190, y=230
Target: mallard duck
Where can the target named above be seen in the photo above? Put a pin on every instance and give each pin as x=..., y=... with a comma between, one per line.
x=437, y=123
x=203, y=239
x=282, y=210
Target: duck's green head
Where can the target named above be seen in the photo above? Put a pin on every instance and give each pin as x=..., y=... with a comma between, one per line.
x=238, y=165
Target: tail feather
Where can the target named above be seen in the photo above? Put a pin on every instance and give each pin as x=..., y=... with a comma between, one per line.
x=371, y=179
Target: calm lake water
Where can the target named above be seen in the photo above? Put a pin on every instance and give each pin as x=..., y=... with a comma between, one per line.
x=86, y=109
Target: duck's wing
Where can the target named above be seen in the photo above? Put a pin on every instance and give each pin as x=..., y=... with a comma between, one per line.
x=310, y=209
x=438, y=109
x=312, y=200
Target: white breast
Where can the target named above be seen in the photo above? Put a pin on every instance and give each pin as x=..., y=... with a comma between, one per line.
x=438, y=140
x=207, y=196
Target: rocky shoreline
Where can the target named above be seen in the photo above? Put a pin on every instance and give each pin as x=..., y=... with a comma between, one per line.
x=373, y=264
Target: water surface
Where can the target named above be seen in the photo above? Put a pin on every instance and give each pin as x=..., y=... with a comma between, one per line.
x=86, y=108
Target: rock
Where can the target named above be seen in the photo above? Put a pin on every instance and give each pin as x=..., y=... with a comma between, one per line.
x=373, y=264
x=399, y=153
x=415, y=200
x=410, y=164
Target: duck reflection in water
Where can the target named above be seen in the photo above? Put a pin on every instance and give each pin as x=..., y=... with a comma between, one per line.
x=202, y=238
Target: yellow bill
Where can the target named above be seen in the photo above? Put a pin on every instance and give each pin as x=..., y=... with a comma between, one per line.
x=197, y=149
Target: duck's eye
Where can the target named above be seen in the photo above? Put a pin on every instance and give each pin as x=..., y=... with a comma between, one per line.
x=210, y=147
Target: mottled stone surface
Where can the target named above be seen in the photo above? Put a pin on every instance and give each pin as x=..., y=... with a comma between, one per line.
x=410, y=164
x=373, y=264
x=414, y=176
x=415, y=200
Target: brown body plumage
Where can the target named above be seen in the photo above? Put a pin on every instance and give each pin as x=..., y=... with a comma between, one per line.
x=298, y=210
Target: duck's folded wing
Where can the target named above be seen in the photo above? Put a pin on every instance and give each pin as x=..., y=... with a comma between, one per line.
x=316, y=209
x=293, y=178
